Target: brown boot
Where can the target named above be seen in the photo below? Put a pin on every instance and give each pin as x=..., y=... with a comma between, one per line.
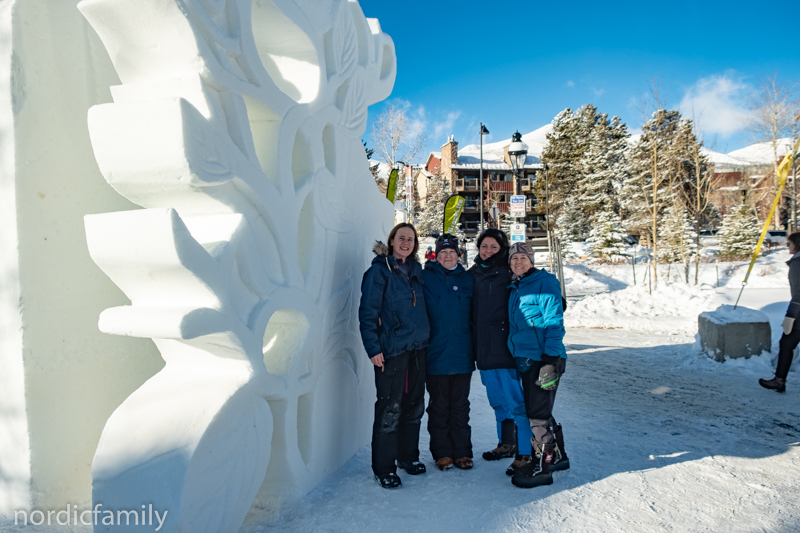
x=519, y=462
x=502, y=450
x=464, y=463
x=777, y=384
x=444, y=463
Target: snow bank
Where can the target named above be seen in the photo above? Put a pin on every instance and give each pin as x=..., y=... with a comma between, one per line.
x=672, y=308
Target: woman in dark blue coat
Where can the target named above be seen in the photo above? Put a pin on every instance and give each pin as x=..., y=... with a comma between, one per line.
x=395, y=331
x=448, y=297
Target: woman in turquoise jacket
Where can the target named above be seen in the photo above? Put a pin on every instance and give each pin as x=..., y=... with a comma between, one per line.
x=536, y=340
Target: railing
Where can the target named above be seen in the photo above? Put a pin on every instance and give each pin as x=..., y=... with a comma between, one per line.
x=502, y=186
x=470, y=206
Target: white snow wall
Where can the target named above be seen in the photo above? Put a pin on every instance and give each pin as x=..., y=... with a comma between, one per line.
x=60, y=378
x=237, y=127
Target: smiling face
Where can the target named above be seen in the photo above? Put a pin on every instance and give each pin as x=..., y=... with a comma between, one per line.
x=520, y=263
x=488, y=248
x=403, y=243
x=447, y=258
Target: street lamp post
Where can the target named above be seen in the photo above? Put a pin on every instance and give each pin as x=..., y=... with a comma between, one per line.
x=518, y=153
x=483, y=132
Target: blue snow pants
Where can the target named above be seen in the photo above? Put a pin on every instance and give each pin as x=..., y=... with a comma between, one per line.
x=504, y=390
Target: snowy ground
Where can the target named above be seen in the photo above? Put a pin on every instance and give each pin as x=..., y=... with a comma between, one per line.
x=660, y=437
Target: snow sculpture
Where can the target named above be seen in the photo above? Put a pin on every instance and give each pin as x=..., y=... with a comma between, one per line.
x=237, y=128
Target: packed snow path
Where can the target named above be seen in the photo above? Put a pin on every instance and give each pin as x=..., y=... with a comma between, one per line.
x=658, y=441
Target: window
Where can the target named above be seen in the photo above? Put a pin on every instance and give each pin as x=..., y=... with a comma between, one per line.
x=501, y=176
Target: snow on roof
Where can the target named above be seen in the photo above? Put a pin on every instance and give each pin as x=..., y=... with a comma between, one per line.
x=761, y=153
x=724, y=160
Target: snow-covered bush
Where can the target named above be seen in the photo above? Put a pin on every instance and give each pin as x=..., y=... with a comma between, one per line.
x=739, y=234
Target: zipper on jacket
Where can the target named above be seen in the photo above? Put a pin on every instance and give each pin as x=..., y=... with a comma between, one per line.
x=414, y=294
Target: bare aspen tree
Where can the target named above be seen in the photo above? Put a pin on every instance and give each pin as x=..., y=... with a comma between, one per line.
x=394, y=137
x=773, y=111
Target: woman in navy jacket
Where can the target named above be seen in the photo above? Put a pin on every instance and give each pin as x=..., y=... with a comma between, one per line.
x=394, y=329
x=448, y=297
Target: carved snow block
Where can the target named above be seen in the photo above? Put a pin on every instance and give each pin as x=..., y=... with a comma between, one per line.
x=236, y=127
x=734, y=333
x=60, y=377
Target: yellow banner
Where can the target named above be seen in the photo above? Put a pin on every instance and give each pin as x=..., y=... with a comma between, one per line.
x=391, y=187
x=452, y=212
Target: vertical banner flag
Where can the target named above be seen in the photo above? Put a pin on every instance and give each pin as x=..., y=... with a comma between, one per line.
x=391, y=187
x=452, y=212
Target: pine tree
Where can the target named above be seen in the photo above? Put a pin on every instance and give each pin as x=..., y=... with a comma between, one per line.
x=572, y=225
x=431, y=219
x=607, y=236
x=739, y=234
x=566, y=146
x=604, y=166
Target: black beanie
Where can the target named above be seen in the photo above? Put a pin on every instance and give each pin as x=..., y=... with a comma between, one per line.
x=495, y=234
x=447, y=241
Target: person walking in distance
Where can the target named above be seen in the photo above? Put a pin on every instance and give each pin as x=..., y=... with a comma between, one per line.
x=394, y=330
x=791, y=327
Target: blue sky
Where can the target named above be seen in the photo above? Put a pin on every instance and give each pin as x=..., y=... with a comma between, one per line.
x=515, y=65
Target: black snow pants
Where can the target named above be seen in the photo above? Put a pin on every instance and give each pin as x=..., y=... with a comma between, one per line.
x=448, y=415
x=539, y=405
x=400, y=388
x=787, y=345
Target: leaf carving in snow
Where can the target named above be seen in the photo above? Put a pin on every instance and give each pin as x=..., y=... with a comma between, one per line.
x=353, y=104
x=345, y=43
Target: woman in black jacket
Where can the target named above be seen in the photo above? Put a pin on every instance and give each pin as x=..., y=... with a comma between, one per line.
x=791, y=327
x=394, y=329
x=499, y=374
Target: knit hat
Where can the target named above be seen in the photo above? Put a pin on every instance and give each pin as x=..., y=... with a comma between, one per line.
x=495, y=234
x=447, y=241
x=521, y=248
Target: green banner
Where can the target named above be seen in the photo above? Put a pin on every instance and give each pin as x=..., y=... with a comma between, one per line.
x=391, y=187
x=452, y=212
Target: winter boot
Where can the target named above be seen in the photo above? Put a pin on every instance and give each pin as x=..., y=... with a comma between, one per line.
x=508, y=446
x=560, y=461
x=777, y=384
x=464, y=463
x=389, y=481
x=413, y=468
x=536, y=472
x=519, y=462
x=444, y=463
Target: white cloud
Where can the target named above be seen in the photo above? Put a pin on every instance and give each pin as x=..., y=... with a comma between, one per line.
x=717, y=104
x=570, y=83
x=446, y=127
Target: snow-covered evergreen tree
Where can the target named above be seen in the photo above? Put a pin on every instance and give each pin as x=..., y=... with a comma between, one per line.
x=572, y=225
x=431, y=218
x=604, y=166
x=739, y=234
x=606, y=236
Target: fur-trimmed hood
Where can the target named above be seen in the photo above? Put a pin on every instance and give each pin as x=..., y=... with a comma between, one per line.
x=380, y=249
